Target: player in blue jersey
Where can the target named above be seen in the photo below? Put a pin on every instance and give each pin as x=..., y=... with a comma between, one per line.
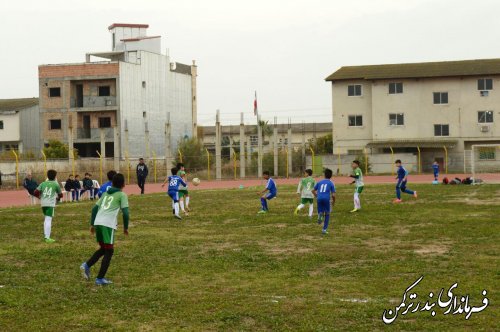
x=105, y=186
x=435, y=169
x=174, y=182
x=323, y=190
x=402, y=177
x=268, y=193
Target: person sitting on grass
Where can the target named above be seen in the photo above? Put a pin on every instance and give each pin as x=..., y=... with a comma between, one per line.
x=104, y=222
x=268, y=193
x=106, y=185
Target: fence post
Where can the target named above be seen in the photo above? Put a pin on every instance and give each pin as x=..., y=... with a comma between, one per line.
x=218, y=161
x=128, y=166
x=339, y=161
x=44, y=163
x=289, y=157
x=419, y=168
x=366, y=162
x=287, y=162
x=154, y=165
x=275, y=146
x=208, y=164
x=100, y=165
x=445, y=159
x=73, y=161
x=392, y=159
x=234, y=163
x=242, y=147
x=180, y=155
x=312, y=158
x=17, y=168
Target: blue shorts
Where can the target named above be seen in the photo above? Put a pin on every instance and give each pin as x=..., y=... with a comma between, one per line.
x=270, y=196
x=401, y=185
x=324, y=206
x=174, y=195
x=436, y=174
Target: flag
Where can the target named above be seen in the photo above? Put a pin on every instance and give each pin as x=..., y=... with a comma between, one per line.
x=255, y=109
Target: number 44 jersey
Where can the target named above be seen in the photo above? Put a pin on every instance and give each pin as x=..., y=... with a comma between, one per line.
x=49, y=191
x=110, y=205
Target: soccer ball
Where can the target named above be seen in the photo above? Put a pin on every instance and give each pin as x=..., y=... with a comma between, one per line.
x=196, y=181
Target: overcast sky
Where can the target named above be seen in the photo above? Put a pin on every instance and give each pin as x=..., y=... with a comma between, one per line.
x=282, y=49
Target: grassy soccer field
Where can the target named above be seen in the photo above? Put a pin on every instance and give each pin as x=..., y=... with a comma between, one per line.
x=225, y=268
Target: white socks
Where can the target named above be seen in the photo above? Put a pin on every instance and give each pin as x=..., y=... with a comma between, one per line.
x=357, y=202
x=311, y=208
x=47, y=226
x=176, y=208
x=181, y=203
x=187, y=202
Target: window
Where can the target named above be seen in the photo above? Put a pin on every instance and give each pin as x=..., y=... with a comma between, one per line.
x=395, y=88
x=144, y=115
x=354, y=90
x=54, y=92
x=485, y=117
x=1, y=124
x=441, y=130
x=254, y=140
x=396, y=119
x=143, y=84
x=485, y=84
x=440, y=97
x=355, y=152
x=104, y=91
x=355, y=120
x=105, y=122
x=55, y=124
x=487, y=153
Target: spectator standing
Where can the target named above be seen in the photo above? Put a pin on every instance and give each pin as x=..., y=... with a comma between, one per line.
x=142, y=173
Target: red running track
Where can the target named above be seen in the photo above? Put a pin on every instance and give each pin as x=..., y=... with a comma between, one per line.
x=11, y=198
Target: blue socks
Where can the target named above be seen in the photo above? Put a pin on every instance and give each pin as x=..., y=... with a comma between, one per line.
x=398, y=193
x=263, y=202
x=327, y=221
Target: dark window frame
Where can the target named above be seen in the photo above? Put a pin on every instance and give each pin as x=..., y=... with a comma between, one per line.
x=396, y=118
x=357, y=120
x=53, y=93
x=103, y=119
x=441, y=130
x=354, y=90
x=395, y=88
x=485, y=84
x=102, y=89
x=485, y=117
x=1, y=124
x=52, y=122
x=440, y=98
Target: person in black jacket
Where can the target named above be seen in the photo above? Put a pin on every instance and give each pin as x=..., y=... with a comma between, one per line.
x=30, y=184
x=88, y=185
x=142, y=173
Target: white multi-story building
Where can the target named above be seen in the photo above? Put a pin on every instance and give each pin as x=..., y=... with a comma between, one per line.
x=129, y=95
x=434, y=107
x=19, y=125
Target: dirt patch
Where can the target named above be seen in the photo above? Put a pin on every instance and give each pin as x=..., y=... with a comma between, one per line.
x=433, y=250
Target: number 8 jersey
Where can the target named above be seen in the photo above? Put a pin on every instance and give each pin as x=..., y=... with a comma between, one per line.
x=110, y=204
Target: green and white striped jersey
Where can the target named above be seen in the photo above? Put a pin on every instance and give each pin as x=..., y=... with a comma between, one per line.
x=110, y=205
x=49, y=191
x=359, y=180
x=306, y=186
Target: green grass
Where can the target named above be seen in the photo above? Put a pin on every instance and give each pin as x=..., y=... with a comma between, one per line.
x=225, y=268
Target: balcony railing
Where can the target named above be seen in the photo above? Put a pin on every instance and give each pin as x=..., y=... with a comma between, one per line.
x=107, y=101
x=94, y=134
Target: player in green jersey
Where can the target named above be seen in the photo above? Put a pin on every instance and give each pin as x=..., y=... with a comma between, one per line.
x=183, y=191
x=358, y=181
x=104, y=223
x=306, y=185
x=49, y=192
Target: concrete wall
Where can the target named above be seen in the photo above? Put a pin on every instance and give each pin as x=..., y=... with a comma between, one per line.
x=10, y=131
x=30, y=129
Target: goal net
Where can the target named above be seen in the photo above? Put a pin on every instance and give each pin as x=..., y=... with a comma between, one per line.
x=485, y=163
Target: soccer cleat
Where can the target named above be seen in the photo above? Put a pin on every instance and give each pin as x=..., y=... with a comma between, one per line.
x=177, y=216
x=262, y=212
x=173, y=212
x=324, y=232
x=397, y=200
x=354, y=210
x=415, y=194
x=49, y=240
x=85, y=270
x=102, y=282
x=296, y=212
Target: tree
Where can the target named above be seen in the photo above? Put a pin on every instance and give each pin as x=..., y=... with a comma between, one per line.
x=324, y=144
x=56, y=150
x=266, y=128
x=194, y=156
